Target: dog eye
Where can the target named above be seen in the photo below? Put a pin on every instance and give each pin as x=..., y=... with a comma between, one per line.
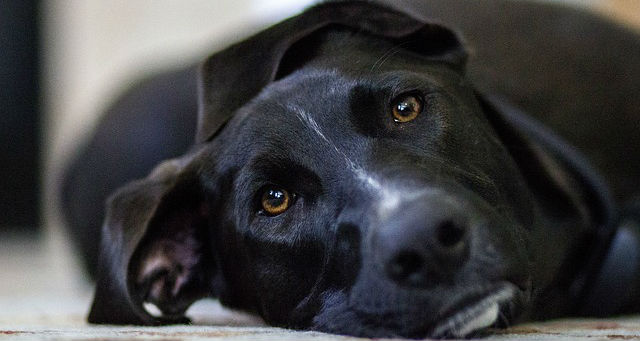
x=406, y=107
x=275, y=201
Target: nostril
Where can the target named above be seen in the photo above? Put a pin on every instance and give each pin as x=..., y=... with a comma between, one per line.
x=449, y=234
x=404, y=265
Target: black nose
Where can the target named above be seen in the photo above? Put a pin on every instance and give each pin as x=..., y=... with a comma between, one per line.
x=423, y=244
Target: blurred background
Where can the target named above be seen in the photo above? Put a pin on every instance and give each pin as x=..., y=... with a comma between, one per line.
x=61, y=64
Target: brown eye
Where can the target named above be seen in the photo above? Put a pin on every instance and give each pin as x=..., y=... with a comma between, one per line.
x=275, y=201
x=406, y=108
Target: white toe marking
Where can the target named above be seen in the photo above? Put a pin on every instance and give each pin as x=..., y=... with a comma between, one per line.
x=152, y=309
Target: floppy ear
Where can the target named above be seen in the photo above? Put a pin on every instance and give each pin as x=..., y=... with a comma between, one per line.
x=553, y=168
x=568, y=190
x=230, y=78
x=154, y=248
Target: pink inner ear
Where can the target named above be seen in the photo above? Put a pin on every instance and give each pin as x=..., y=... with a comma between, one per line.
x=170, y=260
x=158, y=264
x=155, y=261
x=167, y=270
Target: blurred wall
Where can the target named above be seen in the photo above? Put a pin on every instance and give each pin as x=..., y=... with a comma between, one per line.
x=626, y=11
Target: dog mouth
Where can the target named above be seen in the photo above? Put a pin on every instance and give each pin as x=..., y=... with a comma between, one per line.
x=461, y=314
x=473, y=313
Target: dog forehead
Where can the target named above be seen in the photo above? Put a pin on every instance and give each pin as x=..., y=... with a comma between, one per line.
x=320, y=111
x=320, y=84
x=303, y=102
x=330, y=94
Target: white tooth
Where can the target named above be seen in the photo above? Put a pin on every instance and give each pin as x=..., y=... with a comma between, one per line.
x=485, y=319
x=478, y=316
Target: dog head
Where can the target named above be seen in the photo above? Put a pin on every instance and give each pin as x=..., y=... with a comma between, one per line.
x=347, y=178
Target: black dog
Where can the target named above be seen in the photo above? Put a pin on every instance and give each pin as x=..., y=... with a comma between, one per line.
x=349, y=176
